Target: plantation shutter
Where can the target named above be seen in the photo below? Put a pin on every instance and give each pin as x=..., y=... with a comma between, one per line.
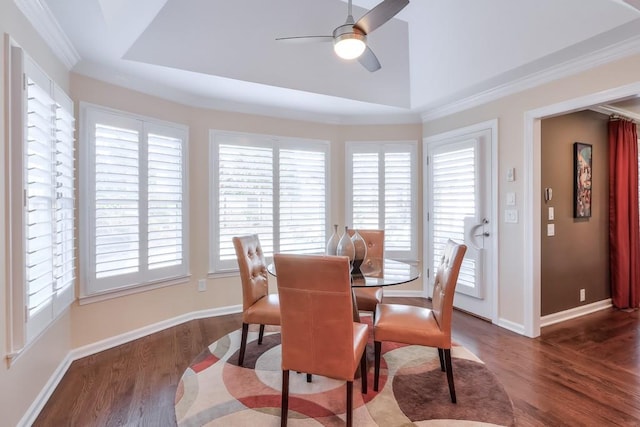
x=117, y=195
x=366, y=191
x=40, y=193
x=302, y=201
x=397, y=201
x=382, y=192
x=453, y=200
x=48, y=186
x=245, y=198
x=165, y=201
x=65, y=260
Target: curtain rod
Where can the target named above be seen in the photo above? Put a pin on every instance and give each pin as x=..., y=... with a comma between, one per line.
x=620, y=117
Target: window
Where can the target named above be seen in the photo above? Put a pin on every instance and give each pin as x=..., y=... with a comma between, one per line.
x=41, y=189
x=274, y=187
x=134, y=185
x=381, y=188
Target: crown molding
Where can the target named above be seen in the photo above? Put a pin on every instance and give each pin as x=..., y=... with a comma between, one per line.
x=602, y=56
x=40, y=16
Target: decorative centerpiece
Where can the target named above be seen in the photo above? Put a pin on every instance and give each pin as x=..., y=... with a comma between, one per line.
x=345, y=246
x=332, y=244
x=360, y=250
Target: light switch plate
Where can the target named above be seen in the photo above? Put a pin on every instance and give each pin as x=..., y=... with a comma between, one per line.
x=511, y=216
x=511, y=174
x=551, y=230
x=551, y=213
x=511, y=199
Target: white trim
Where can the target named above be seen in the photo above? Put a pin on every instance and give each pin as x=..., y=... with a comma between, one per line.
x=572, y=313
x=34, y=410
x=512, y=326
x=89, y=299
x=605, y=55
x=532, y=188
x=42, y=19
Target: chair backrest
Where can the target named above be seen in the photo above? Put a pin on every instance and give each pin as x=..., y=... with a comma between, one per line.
x=253, y=269
x=316, y=314
x=374, y=240
x=444, y=286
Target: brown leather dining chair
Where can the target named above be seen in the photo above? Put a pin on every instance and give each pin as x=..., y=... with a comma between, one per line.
x=319, y=335
x=422, y=326
x=367, y=299
x=258, y=305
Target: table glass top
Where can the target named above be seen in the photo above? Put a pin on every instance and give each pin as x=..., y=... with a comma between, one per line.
x=378, y=272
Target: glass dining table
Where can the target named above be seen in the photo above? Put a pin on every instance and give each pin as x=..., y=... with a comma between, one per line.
x=375, y=272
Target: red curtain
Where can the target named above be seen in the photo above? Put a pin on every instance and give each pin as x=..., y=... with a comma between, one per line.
x=624, y=223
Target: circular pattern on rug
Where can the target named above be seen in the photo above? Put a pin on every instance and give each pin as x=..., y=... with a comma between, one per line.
x=215, y=391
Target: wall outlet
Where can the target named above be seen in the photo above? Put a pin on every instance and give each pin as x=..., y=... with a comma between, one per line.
x=202, y=285
x=583, y=295
x=511, y=216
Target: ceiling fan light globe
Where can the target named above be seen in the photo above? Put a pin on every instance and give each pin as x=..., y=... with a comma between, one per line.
x=349, y=46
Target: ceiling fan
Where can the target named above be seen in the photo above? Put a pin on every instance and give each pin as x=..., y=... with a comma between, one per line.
x=350, y=39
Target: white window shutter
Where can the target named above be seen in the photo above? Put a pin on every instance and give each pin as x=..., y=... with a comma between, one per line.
x=302, y=201
x=245, y=197
x=165, y=201
x=117, y=216
x=453, y=200
x=40, y=193
x=381, y=194
x=398, y=199
x=366, y=191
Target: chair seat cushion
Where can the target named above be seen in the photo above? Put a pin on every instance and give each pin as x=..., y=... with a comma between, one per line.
x=410, y=325
x=368, y=298
x=265, y=311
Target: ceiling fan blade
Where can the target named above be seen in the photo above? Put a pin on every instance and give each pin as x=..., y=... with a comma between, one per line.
x=380, y=14
x=369, y=60
x=306, y=39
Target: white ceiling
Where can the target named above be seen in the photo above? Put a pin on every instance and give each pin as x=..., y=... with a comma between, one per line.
x=223, y=54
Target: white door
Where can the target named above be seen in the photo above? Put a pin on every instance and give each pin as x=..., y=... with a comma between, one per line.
x=458, y=193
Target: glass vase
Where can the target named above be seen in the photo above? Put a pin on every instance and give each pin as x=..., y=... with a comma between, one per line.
x=360, y=250
x=345, y=246
x=332, y=244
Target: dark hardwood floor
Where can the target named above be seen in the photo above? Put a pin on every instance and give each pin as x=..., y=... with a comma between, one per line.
x=583, y=372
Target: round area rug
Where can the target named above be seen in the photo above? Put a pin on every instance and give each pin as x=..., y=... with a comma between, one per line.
x=215, y=391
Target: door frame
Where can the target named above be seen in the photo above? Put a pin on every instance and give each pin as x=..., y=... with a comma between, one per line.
x=492, y=273
x=532, y=220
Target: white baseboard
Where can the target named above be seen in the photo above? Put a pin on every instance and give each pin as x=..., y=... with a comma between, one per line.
x=43, y=397
x=572, y=313
x=87, y=350
x=512, y=326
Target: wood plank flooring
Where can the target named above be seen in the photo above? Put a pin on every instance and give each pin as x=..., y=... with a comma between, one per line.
x=583, y=372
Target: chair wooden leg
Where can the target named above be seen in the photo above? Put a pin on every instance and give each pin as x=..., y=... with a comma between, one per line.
x=376, y=372
x=309, y=378
x=441, y=356
x=363, y=371
x=261, y=334
x=243, y=343
x=349, y=403
x=284, y=406
x=452, y=389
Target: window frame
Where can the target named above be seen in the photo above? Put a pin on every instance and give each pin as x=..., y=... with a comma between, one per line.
x=382, y=148
x=91, y=289
x=222, y=268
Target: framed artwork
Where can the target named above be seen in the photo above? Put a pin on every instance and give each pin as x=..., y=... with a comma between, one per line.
x=581, y=180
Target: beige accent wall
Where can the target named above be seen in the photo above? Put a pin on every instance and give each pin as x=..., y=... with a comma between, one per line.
x=577, y=257
x=147, y=308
